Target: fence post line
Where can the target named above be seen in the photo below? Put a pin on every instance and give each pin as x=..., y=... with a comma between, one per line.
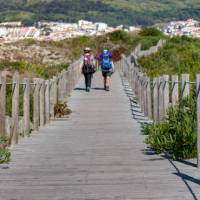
x=26, y=106
x=47, y=101
x=42, y=102
x=166, y=93
x=2, y=103
x=149, y=101
x=185, y=85
x=198, y=118
x=175, y=95
x=160, y=99
x=36, y=104
x=15, y=109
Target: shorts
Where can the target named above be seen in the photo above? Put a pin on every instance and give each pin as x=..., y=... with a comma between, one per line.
x=107, y=73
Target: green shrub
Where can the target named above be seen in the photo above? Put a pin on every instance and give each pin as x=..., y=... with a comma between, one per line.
x=120, y=35
x=177, y=134
x=151, y=32
x=179, y=55
x=4, y=152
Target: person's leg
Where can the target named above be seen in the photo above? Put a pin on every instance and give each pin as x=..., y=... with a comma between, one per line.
x=108, y=81
x=89, y=80
x=85, y=75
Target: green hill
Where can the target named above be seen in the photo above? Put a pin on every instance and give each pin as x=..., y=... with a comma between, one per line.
x=114, y=12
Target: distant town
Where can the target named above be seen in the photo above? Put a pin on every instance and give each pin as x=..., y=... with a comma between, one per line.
x=55, y=31
x=190, y=28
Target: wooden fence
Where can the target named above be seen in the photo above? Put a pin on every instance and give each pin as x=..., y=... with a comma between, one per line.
x=37, y=97
x=156, y=95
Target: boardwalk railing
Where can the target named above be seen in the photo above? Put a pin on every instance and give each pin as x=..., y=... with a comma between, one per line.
x=156, y=95
x=36, y=98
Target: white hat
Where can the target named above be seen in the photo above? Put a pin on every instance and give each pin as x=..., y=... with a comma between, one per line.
x=87, y=49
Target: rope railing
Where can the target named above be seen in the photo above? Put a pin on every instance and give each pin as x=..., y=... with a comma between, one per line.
x=156, y=95
x=42, y=94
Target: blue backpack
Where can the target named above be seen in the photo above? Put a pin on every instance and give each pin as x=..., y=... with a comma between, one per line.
x=106, y=63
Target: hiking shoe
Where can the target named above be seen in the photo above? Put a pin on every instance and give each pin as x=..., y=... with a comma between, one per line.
x=87, y=89
x=107, y=88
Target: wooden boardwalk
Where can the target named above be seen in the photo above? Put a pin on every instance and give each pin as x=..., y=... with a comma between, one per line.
x=97, y=153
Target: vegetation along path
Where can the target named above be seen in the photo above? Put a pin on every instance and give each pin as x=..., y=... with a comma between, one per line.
x=96, y=153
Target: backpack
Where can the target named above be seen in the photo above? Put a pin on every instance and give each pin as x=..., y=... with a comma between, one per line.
x=88, y=65
x=106, y=63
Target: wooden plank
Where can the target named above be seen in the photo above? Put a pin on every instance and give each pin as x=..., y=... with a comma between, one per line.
x=15, y=109
x=149, y=100
x=2, y=104
x=160, y=99
x=175, y=89
x=185, y=85
x=26, y=106
x=166, y=93
x=36, y=104
x=42, y=102
x=198, y=118
x=155, y=99
x=47, y=101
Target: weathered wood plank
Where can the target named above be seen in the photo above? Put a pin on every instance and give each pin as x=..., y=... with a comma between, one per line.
x=15, y=109
x=2, y=103
x=26, y=106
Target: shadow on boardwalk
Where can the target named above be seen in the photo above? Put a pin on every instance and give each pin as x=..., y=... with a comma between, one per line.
x=139, y=116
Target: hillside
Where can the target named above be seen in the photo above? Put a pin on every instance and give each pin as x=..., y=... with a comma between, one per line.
x=114, y=12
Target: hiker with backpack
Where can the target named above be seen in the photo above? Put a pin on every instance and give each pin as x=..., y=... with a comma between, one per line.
x=87, y=67
x=107, y=68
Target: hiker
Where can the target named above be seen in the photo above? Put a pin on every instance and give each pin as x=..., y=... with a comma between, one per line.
x=87, y=67
x=107, y=68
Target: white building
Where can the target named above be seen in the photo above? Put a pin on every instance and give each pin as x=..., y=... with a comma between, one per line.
x=101, y=27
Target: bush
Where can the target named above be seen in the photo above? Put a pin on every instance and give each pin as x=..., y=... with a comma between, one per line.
x=4, y=152
x=120, y=35
x=177, y=134
x=61, y=109
x=151, y=32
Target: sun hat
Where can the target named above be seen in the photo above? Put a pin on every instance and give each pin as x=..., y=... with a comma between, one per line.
x=87, y=49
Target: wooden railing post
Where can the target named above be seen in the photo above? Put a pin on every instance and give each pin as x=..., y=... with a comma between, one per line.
x=185, y=85
x=15, y=109
x=175, y=84
x=198, y=118
x=2, y=104
x=26, y=106
x=42, y=102
x=160, y=99
x=155, y=99
x=149, y=101
x=47, y=101
x=36, y=104
x=166, y=93
x=51, y=99
x=55, y=90
x=145, y=96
